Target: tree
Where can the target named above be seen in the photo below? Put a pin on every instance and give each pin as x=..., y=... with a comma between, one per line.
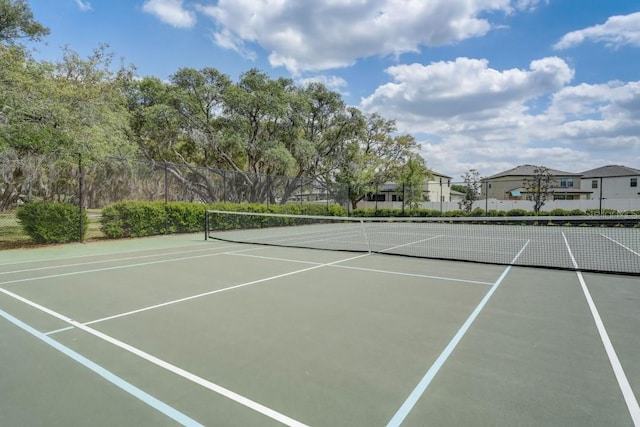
x=374, y=156
x=459, y=188
x=472, y=183
x=538, y=187
x=52, y=112
x=17, y=22
x=413, y=175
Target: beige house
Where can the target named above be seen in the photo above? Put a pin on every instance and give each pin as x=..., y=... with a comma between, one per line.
x=611, y=182
x=437, y=189
x=511, y=185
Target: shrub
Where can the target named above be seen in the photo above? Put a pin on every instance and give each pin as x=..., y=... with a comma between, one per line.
x=558, y=212
x=52, y=222
x=517, y=212
x=478, y=212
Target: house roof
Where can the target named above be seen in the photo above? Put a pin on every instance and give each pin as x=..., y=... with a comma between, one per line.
x=434, y=173
x=528, y=170
x=610, y=171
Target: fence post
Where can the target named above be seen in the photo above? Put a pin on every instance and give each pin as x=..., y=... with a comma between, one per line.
x=486, y=198
x=224, y=186
x=600, y=204
x=80, y=198
x=268, y=191
x=441, y=196
x=166, y=199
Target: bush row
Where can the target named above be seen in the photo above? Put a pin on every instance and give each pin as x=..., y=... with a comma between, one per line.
x=479, y=212
x=138, y=219
x=50, y=222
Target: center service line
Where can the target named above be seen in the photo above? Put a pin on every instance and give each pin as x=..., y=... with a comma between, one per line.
x=415, y=395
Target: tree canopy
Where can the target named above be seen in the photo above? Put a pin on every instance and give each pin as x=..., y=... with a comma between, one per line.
x=17, y=23
x=255, y=127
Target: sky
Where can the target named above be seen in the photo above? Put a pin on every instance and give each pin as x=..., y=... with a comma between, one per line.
x=481, y=84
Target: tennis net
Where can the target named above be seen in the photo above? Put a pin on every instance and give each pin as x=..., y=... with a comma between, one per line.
x=593, y=244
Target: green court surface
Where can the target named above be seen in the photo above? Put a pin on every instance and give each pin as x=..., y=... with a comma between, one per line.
x=177, y=330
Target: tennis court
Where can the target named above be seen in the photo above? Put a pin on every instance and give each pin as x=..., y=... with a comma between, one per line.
x=178, y=330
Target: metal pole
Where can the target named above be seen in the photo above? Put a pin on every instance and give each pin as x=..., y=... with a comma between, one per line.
x=166, y=198
x=441, y=196
x=268, y=191
x=80, y=191
x=600, y=210
x=224, y=186
x=486, y=198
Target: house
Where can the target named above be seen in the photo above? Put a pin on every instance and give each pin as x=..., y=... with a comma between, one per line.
x=611, y=182
x=511, y=184
x=436, y=189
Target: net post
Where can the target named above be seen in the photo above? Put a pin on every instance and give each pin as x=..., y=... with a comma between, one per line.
x=206, y=225
x=80, y=201
x=364, y=234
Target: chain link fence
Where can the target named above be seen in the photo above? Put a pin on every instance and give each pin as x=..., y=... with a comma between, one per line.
x=94, y=185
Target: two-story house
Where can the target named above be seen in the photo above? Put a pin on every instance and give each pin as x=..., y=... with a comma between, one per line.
x=611, y=182
x=511, y=184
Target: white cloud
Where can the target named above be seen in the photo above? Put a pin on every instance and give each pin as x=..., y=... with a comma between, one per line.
x=171, y=12
x=465, y=88
x=325, y=34
x=615, y=32
x=84, y=5
x=331, y=82
x=468, y=115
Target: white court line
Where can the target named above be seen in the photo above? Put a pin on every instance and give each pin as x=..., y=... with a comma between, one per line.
x=424, y=276
x=408, y=244
x=164, y=304
x=95, y=255
x=104, y=373
x=620, y=244
x=204, y=294
x=175, y=369
x=621, y=377
x=103, y=261
x=372, y=270
x=419, y=390
x=117, y=267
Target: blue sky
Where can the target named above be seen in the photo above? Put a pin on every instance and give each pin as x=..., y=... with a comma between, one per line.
x=484, y=84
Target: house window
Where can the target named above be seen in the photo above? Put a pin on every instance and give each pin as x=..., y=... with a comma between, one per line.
x=376, y=197
x=594, y=183
x=566, y=182
x=634, y=182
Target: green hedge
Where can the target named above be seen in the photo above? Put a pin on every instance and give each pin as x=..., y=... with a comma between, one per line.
x=52, y=222
x=138, y=219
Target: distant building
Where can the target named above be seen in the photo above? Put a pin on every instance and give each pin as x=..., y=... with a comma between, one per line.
x=510, y=184
x=611, y=182
x=437, y=189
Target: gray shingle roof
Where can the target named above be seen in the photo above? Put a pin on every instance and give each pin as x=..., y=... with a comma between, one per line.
x=610, y=171
x=528, y=170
